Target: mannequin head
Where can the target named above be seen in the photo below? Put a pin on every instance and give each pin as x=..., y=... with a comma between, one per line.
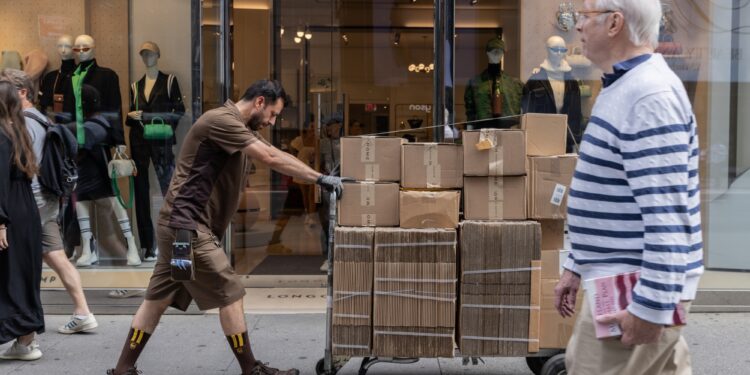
x=65, y=47
x=495, y=49
x=556, y=50
x=84, y=48
x=150, y=54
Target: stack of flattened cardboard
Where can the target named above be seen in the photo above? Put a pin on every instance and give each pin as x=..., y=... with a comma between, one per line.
x=414, y=309
x=352, y=291
x=499, y=306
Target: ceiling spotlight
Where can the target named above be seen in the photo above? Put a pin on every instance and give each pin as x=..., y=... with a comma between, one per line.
x=396, y=39
x=473, y=2
x=297, y=40
x=412, y=67
x=345, y=38
x=282, y=31
x=300, y=33
x=308, y=34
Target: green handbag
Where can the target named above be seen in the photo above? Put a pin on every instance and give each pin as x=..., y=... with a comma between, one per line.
x=157, y=130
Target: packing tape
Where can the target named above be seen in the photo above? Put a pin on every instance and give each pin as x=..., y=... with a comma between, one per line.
x=368, y=150
x=367, y=195
x=420, y=334
x=416, y=296
x=372, y=172
x=352, y=316
x=436, y=281
x=495, y=198
x=432, y=165
x=413, y=244
x=510, y=307
x=347, y=346
x=496, y=161
x=363, y=247
x=502, y=270
x=511, y=339
x=351, y=295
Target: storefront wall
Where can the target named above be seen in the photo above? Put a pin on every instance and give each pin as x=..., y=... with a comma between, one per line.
x=354, y=68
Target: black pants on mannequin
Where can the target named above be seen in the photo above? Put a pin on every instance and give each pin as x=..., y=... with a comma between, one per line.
x=144, y=153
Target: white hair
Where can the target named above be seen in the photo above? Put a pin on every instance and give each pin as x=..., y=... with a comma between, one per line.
x=641, y=16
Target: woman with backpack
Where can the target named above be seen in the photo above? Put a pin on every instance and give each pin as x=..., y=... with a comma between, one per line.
x=21, y=315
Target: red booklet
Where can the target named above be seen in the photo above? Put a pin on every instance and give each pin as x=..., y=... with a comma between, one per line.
x=610, y=294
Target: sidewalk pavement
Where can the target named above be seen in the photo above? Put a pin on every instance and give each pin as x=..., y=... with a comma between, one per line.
x=194, y=344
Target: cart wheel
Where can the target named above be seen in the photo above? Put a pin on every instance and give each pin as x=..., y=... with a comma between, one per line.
x=555, y=366
x=320, y=368
x=536, y=363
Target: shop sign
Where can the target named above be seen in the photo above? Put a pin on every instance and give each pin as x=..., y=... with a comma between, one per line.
x=427, y=108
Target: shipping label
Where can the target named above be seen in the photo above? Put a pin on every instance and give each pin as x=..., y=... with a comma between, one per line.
x=558, y=194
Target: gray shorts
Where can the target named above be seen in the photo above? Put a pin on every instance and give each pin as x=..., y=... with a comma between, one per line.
x=49, y=209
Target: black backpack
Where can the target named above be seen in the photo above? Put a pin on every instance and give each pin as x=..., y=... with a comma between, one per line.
x=58, y=172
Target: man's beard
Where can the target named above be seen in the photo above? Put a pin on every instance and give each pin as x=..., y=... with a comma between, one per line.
x=256, y=122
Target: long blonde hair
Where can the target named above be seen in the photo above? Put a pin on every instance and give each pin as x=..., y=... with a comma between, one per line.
x=13, y=125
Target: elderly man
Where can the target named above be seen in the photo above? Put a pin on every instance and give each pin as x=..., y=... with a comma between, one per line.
x=634, y=201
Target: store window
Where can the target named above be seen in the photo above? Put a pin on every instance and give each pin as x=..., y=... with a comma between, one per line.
x=138, y=65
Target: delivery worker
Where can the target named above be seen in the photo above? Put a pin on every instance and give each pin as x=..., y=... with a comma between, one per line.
x=203, y=195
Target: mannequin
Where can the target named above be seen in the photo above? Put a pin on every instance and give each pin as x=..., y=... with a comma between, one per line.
x=156, y=94
x=553, y=89
x=55, y=83
x=105, y=80
x=493, y=93
x=94, y=183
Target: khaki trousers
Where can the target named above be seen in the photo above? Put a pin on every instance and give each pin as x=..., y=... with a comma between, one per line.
x=587, y=355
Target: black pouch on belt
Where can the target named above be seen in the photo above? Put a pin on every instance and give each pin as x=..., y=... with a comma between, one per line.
x=182, y=256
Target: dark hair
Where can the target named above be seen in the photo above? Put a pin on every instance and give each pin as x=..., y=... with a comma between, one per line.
x=13, y=125
x=271, y=90
x=91, y=100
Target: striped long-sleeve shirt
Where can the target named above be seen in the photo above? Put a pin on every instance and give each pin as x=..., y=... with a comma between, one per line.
x=634, y=200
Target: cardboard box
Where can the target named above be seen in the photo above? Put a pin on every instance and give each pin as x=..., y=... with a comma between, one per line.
x=429, y=209
x=555, y=330
x=367, y=204
x=549, y=183
x=553, y=234
x=550, y=263
x=494, y=152
x=487, y=247
x=432, y=166
x=495, y=198
x=546, y=134
x=352, y=291
x=371, y=158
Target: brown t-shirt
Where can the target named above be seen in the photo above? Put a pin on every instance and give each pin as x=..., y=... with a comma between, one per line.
x=210, y=172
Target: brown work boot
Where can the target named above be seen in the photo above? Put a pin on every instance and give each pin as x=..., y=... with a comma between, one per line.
x=261, y=369
x=130, y=371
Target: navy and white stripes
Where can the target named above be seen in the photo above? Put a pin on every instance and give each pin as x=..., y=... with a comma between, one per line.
x=634, y=201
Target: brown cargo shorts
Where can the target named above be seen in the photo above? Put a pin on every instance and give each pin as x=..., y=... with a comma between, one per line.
x=51, y=237
x=215, y=285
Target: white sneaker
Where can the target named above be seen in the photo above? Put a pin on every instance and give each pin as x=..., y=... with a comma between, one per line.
x=86, y=259
x=21, y=352
x=134, y=259
x=76, y=324
x=324, y=267
x=126, y=293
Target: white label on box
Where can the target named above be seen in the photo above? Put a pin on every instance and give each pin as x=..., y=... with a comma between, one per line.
x=558, y=194
x=431, y=165
x=372, y=172
x=367, y=195
x=496, y=161
x=495, y=198
x=368, y=150
x=369, y=220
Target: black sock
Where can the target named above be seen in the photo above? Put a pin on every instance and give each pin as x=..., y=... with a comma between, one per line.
x=240, y=345
x=132, y=349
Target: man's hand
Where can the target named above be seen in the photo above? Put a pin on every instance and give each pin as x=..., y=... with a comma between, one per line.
x=635, y=331
x=566, y=291
x=3, y=238
x=333, y=183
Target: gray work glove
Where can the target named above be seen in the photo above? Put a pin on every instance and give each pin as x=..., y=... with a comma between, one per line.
x=333, y=183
